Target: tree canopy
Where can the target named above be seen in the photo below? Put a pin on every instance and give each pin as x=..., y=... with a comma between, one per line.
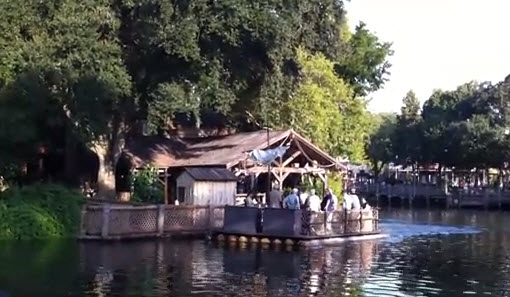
x=324, y=109
x=465, y=128
x=89, y=72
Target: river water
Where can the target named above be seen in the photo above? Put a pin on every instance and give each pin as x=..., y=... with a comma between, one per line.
x=427, y=253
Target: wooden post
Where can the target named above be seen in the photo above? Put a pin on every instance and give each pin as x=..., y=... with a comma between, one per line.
x=106, y=220
x=83, y=215
x=389, y=195
x=377, y=194
x=485, y=198
x=165, y=176
x=345, y=221
x=325, y=222
x=210, y=213
x=361, y=220
x=161, y=220
x=499, y=197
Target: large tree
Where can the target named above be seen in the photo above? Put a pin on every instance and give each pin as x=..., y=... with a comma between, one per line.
x=83, y=72
x=380, y=147
x=408, y=131
x=363, y=61
x=228, y=57
x=323, y=108
x=65, y=65
x=441, y=110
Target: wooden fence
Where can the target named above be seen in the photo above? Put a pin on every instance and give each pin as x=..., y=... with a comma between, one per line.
x=108, y=221
x=111, y=221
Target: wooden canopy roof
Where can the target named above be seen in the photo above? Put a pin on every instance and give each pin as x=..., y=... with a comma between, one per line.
x=219, y=151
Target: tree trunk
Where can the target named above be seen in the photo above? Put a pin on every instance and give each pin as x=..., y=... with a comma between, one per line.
x=106, y=172
x=108, y=151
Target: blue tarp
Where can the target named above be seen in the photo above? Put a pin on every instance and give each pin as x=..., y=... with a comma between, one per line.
x=267, y=156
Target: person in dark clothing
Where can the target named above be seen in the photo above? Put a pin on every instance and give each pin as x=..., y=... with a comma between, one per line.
x=275, y=198
x=326, y=199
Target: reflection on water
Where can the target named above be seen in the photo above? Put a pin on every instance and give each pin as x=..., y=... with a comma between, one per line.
x=427, y=254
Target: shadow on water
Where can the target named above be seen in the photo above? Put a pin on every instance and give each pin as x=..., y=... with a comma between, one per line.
x=427, y=254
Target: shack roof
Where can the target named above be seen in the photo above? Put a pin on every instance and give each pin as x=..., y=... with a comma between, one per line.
x=210, y=174
x=217, y=151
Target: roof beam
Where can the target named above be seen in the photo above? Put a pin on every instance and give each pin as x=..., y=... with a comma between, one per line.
x=283, y=170
x=291, y=158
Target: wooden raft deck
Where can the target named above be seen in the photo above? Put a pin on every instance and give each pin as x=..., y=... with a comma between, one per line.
x=295, y=227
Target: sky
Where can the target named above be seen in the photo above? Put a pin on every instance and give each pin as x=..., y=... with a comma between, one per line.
x=438, y=44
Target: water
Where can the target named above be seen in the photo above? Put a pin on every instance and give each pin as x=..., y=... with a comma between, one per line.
x=455, y=253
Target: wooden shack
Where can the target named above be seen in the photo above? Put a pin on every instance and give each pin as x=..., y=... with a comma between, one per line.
x=204, y=185
x=230, y=152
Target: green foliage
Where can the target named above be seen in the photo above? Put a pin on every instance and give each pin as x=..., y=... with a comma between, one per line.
x=465, y=128
x=363, y=61
x=380, y=147
x=408, y=131
x=39, y=211
x=324, y=109
x=222, y=56
x=335, y=183
x=308, y=183
x=84, y=72
x=62, y=76
x=146, y=186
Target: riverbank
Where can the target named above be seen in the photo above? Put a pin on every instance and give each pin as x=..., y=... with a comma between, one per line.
x=39, y=211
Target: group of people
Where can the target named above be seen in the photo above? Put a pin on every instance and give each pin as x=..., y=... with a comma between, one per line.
x=311, y=201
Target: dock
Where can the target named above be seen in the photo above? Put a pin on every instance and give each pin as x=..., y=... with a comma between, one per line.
x=432, y=196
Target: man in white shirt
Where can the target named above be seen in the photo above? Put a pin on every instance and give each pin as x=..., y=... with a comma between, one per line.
x=347, y=204
x=303, y=196
x=356, y=205
x=314, y=202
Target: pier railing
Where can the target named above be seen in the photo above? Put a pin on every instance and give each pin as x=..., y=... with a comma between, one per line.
x=110, y=221
x=107, y=221
x=340, y=222
x=285, y=222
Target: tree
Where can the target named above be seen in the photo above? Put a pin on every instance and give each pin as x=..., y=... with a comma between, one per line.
x=380, y=148
x=442, y=109
x=408, y=131
x=227, y=57
x=67, y=60
x=324, y=110
x=76, y=73
x=363, y=61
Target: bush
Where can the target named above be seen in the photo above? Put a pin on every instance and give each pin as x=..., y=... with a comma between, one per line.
x=146, y=186
x=39, y=211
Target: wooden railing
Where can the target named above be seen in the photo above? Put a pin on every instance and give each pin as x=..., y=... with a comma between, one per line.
x=401, y=190
x=111, y=221
x=340, y=222
x=107, y=221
